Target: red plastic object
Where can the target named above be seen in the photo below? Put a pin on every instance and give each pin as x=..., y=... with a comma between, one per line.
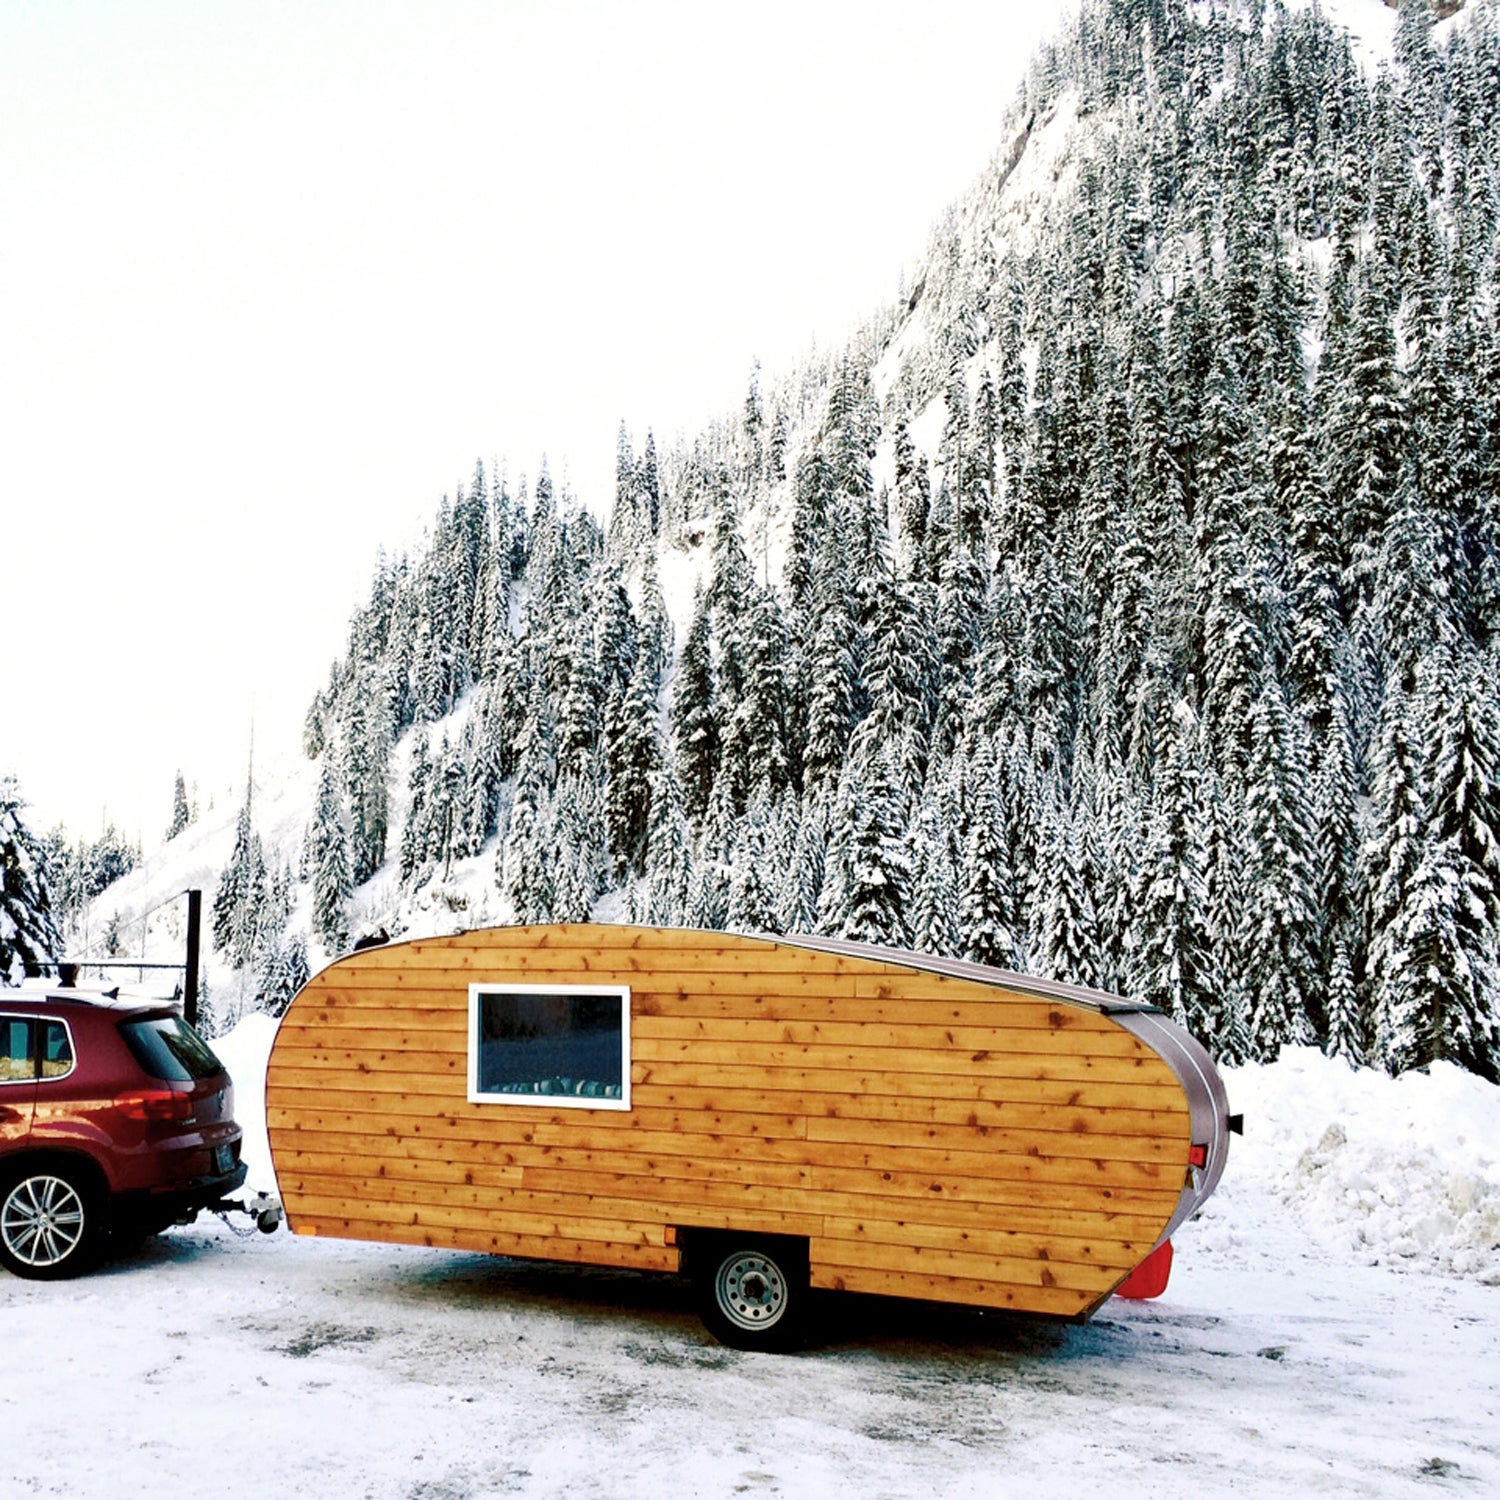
x=1149, y=1279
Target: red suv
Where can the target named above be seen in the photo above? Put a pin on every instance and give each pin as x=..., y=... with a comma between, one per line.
x=115, y=1120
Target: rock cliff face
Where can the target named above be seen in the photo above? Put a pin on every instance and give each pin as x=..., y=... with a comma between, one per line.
x=1442, y=9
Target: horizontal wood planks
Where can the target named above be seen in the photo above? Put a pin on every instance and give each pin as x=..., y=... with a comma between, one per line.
x=930, y=1135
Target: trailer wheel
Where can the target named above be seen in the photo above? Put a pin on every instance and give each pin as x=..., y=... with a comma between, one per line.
x=51, y=1223
x=752, y=1294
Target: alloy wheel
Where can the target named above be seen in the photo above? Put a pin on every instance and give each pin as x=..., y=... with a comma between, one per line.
x=42, y=1222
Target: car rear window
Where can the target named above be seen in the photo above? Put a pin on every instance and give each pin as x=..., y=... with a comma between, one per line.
x=169, y=1049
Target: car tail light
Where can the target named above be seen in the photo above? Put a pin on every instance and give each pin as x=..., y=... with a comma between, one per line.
x=155, y=1104
x=1198, y=1155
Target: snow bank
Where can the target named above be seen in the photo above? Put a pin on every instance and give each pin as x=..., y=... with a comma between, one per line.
x=245, y=1051
x=1403, y=1170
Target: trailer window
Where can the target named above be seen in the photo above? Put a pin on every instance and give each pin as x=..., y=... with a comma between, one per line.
x=550, y=1045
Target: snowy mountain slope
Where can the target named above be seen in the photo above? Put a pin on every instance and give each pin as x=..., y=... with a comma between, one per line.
x=147, y=903
x=1073, y=616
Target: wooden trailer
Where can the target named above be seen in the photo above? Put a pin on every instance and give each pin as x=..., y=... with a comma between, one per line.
x=765, y=1115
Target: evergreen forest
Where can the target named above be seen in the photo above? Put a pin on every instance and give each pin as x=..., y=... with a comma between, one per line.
x=1119, y=605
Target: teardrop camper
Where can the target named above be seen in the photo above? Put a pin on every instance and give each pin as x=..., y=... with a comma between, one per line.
x=764, y=1115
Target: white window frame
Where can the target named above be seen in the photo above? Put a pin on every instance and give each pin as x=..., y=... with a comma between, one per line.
x=549, y=1101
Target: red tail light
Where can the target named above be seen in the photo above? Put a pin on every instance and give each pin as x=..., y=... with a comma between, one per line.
x=1198, y=1155
x=154, y=1104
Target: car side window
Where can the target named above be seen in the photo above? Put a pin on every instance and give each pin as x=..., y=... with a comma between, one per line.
x=57, y=1050
x=17, y=1057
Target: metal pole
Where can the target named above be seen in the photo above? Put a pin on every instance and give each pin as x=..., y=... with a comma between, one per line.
x=190, y=978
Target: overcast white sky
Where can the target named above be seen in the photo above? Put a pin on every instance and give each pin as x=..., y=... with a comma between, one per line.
x=273, y=276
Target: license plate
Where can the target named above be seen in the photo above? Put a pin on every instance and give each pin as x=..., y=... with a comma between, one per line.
x=223, y=1158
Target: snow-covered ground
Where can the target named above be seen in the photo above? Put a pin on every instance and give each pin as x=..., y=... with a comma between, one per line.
x=1332, y=1328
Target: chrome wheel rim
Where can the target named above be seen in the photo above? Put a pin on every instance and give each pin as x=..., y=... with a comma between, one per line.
x=42, y=1221
x=751, y=1290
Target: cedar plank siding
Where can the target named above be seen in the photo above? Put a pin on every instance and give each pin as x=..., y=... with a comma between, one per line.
x=930, y=1135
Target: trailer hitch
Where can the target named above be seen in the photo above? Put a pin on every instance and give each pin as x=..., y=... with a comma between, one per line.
x=264, y=1208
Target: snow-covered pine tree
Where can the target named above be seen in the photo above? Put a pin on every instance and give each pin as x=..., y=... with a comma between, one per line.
x=414, y=833
x=875, y=873
x=708, y=885
x=240, y=895
x=1346, y=1023
x=695, y=719
x=832, y=691
x=28, y=930
x=987, y=914
x=580, y=715
x=934, y=918
x=1449, y=930
x=1481, y=527
x=447, y=807
x=761, y=727
x=365, y=766
x=1052, y=683
x=484, y=769
x=582, y=856
x=1280, y=936
x=669, y=853
x=912, y=497
x=285, y=973
x=1367, y=437
x=1391, y=854
x=1225, y=870
x=616, y=636
x=529, y=854
x=628, y=527
x=898, y=671
x=327, y=859
x=958, y=613
x=1066, y=941
x=181, y=813
x=1316, y=637
x=801, y=884
x=728, y=598
x=752, y=903
x=633, y=754
x=1122, y=840
x=106, y=859
x=1172, y=964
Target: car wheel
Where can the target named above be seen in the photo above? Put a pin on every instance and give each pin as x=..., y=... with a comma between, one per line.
x=754, y=1295
x=50, y=1223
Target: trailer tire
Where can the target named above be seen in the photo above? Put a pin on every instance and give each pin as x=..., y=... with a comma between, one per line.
x=52, y=1222
x=753, y=1293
